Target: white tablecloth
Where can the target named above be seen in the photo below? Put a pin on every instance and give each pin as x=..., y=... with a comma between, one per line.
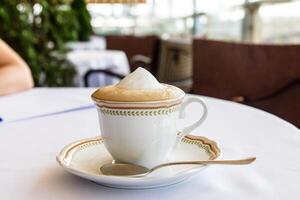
x=28, y=169
x=84, y=60
x=18, y=106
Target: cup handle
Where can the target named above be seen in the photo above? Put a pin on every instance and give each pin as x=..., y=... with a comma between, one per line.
x=188, y=129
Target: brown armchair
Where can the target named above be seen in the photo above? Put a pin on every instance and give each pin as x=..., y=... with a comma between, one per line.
x=263, y=76
x=140, y=51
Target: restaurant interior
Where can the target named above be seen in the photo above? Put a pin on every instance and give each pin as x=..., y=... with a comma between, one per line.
x=192, y=99
x=239, y=50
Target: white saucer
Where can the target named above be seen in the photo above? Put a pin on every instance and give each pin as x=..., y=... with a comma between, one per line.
x=85, y=157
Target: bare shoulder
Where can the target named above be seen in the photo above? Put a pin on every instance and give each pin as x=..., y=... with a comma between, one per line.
x=9, y=56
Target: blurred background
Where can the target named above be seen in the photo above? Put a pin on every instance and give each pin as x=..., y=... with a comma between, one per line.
x=239, y=20
x=240, y=50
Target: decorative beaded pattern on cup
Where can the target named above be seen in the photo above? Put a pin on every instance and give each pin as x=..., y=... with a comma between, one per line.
x=133, y=112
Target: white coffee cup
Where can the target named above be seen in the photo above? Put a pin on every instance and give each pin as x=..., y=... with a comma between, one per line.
x=144, y=133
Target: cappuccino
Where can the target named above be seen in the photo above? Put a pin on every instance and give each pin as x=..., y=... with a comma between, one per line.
x=139, y=86
x=138, y=118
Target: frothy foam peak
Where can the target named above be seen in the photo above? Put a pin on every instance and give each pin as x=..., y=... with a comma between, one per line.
x=139, y=86
x=140, y=79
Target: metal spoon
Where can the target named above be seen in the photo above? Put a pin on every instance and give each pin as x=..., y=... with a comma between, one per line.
x=126, y=169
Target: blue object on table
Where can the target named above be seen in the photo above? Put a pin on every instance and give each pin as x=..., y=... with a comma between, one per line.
x=89, y=106
x=1, y=119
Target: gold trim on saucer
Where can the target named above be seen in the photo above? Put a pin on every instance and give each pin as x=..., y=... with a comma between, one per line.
x=65, y=155
x=212, y=145
x=81, y=144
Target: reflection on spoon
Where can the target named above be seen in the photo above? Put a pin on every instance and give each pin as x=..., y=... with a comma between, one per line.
x=126, y=169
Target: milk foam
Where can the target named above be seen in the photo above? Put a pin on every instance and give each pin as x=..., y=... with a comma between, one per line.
x=140, y=79
x=139, y=86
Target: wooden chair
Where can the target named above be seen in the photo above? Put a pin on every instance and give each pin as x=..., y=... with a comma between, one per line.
x=263, y=76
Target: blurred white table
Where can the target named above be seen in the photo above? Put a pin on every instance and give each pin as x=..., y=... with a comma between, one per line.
x=85, y=60
x=28, y=169
x=95, y=43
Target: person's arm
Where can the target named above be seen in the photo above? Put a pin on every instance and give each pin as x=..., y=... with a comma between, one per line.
x=15, y=75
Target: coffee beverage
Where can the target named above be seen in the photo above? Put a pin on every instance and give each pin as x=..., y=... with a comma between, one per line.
x=138, y=118
x=139, y=86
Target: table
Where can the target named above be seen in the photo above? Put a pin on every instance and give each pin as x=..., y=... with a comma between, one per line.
x=28, y=169
x=94, y=43
x=85, y=60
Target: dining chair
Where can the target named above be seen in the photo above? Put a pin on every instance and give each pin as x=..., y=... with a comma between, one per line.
x=106, y=72
x=175, y=63
x=141, y=51
x=261, y=75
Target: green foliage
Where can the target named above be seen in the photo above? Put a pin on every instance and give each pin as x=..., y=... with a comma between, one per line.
x=38, y=31
x=83, y=18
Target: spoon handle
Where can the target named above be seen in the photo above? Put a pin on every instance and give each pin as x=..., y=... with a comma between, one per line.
x=209, y=162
